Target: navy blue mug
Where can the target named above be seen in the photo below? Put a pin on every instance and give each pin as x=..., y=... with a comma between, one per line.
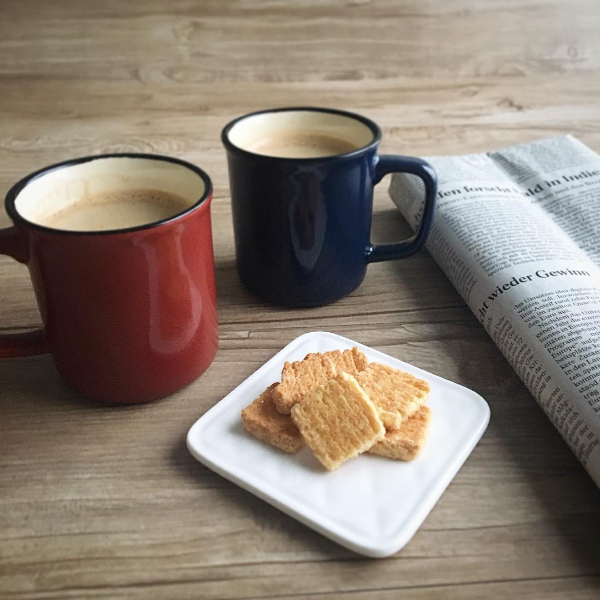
x=301, y=184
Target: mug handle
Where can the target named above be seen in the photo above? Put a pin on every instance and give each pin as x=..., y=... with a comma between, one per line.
x=30, y=342
x=390, y=163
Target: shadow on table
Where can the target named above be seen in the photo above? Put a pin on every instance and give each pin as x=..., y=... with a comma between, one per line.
x=35, y=381
x=540, y=460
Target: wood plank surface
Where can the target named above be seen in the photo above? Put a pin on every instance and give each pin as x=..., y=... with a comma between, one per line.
x=103, y=502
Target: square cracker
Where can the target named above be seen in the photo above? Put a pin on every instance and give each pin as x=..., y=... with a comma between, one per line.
x=396, y=394
x=263, y=421
x=338, y=421
x=302, y=377
x=407, y=442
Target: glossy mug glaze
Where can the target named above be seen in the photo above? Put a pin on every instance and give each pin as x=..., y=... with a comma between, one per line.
x=302, y=224
x=129, y=315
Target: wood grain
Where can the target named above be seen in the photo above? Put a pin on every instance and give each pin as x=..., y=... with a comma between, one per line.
x=100, y=502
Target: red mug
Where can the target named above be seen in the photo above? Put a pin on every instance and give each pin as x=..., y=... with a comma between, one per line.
x=129, y=315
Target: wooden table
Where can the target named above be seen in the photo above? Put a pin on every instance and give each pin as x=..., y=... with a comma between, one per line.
x=99, y=502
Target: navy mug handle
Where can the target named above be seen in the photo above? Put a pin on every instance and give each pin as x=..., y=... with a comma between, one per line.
x=389, y=163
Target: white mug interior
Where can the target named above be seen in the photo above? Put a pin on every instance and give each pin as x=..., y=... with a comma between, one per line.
x=249, y=130
x=60, y=188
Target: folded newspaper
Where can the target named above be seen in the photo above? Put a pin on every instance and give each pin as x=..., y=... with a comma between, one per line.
x=517, y=232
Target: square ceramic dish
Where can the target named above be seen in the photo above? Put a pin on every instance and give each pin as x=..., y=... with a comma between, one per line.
x=371, y=505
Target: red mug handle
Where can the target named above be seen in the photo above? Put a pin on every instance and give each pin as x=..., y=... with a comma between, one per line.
x=30, y=342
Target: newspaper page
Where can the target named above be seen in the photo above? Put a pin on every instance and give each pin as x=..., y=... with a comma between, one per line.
x=518, y=234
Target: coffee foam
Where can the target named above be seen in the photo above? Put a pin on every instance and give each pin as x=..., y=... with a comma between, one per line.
x=58, y=190
x=117, y=210
x=301, y=144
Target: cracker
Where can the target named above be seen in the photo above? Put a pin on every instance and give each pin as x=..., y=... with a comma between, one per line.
x=302, y=377
x=263, y=421
x=396, y=394
x=338, y=421
x=349, y=361
x=407, y=442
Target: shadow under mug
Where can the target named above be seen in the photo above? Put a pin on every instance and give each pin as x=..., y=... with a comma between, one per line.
x=302, y=225
x=129, y=315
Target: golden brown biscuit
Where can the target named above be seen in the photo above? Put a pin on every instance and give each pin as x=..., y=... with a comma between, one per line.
x=396, y=394
x=338, y=421
x=407, y=442
x=349, y=361
x=420, y=384
x=303, y=376
x=263, y=421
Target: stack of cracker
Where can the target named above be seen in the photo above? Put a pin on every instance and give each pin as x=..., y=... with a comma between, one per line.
x=341, y=405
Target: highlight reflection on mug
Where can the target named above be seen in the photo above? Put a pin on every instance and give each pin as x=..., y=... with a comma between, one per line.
x=308, y=219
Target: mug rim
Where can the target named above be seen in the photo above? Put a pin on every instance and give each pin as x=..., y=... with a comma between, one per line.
x=375, y=129
x=17, y=188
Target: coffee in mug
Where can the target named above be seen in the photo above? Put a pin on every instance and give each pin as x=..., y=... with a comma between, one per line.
x=299, y=144
x=114, y=210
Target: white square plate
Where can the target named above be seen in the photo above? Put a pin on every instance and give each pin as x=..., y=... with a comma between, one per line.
x=371, y=505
